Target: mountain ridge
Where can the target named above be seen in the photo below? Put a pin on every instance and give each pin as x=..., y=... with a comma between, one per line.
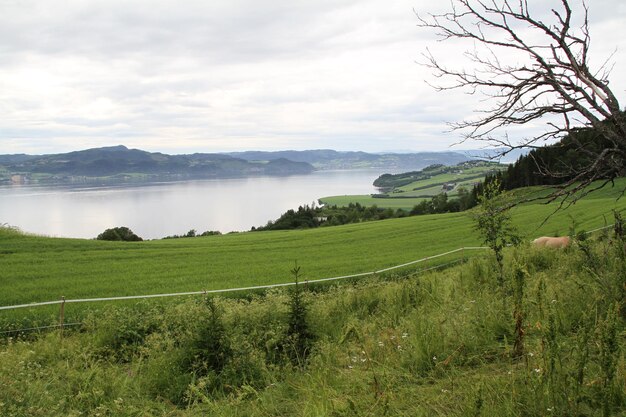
x=121, y=163
x=331, y=159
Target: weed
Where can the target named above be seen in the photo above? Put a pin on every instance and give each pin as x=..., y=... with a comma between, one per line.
x=299, y=339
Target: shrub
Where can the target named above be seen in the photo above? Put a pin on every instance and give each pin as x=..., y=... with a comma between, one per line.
x=299, y=340
x=119, y=234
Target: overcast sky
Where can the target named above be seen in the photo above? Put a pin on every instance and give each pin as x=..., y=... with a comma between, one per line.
x=182, y=76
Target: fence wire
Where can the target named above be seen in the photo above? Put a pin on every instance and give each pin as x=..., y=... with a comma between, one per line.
x=227, y=290
x=253, y=288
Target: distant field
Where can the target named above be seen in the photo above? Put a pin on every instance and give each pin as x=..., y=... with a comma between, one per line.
x=474, y=173
x=368, y=200
x=407, y=196
x=40, y=269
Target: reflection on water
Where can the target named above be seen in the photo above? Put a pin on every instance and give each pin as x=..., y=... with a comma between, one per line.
x=156, y=210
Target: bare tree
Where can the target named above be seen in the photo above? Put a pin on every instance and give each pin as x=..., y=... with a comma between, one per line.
x=550, y=80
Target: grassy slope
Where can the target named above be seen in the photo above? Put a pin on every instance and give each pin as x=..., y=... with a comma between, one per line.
x=40, y=269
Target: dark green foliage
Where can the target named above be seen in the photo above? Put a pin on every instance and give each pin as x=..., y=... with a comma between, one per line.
x=493, y=222
x=211, y=233
x=299, y=339
x=556, y=164
x=609, y=354
x=619, y=227
x=304, y=218
x=442, y=204
x=119, y=234
x=193, y=233
x=119, y=332
x=211, y=350
x=519, y=284
x=307, y=217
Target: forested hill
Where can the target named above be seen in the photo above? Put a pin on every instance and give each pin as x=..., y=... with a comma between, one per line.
x=119, y=162
x=330, y=159
x=559, y=162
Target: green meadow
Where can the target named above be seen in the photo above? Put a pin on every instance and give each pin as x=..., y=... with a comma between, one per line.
x=368, y=200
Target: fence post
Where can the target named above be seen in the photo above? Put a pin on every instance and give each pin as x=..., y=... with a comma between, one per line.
x=62, y=315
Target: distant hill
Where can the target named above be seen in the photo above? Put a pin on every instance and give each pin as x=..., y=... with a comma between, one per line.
x=329, y=159
x=122, y=163
x=119, y=162
x=496, y=154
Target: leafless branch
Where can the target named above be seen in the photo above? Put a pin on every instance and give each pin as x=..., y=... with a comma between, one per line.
x=551, y=77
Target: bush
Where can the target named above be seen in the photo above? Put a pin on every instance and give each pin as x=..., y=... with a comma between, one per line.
x=119, y=234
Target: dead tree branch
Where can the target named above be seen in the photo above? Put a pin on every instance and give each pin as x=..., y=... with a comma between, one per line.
x=547, y=78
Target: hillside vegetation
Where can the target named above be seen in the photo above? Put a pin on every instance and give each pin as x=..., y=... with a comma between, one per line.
x=400, y=345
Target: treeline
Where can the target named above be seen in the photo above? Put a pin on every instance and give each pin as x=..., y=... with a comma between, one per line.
x=124, y=234
x=306, y=217
x=193, y=233
x=440, y=203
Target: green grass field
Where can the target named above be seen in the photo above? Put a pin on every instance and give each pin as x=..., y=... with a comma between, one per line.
x=368, y=201
x=36, y=269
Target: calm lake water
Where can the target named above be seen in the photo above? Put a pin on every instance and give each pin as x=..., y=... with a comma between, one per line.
x=157, y=210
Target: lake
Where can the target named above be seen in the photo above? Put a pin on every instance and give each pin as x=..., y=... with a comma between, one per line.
x=156, y=210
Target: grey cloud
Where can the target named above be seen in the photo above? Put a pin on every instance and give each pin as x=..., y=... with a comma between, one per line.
x=225, y=31
x=209, y=74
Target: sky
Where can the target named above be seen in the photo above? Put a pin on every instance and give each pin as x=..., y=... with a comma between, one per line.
x=184, y=76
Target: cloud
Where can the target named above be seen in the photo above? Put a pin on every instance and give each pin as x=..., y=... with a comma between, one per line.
x=186, y=76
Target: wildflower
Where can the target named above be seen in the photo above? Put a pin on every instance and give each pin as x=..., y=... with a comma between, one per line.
x=531, y=354
x=350, y=367
x=537, y=370
x=434, y=358
x=381, y=344
x=405, y=335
